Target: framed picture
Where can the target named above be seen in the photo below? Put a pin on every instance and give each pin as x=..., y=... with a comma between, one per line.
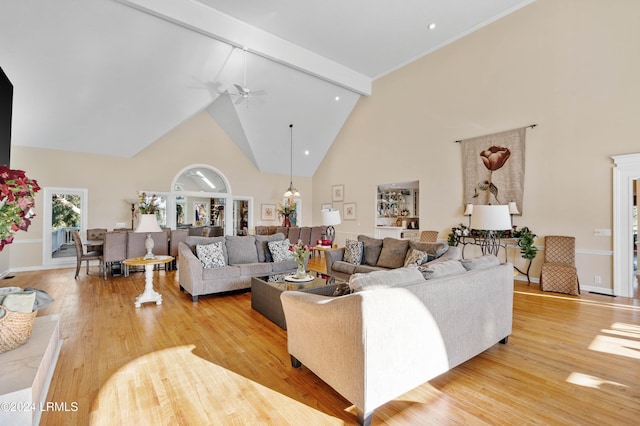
x=337, y=193
x=349, y=211
x=326, y=206
x=268, y=212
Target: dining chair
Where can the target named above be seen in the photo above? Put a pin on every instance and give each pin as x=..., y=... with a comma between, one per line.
x=82, y=256
x=114, y=250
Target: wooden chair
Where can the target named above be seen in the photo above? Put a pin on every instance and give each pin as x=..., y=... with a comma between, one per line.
x=429, y=236
x=81, y=256
x=558, y=272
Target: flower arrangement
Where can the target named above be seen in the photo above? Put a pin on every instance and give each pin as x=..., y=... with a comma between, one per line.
x=17, y=200
x=286, y=209
x=300, y=251
x=147, y=205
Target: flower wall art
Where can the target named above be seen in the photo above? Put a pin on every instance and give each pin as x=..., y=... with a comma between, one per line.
x=493, y=168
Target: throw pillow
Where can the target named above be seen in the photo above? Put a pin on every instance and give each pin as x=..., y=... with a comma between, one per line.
x=264, y=255
x=241, y=249
x=441, y=269
x=211, y=255
x=481, y=262
x=416, y=257
x=393, y=253
x=353, y=252
x=434, y=249
x=280, y=250
x=372, y=249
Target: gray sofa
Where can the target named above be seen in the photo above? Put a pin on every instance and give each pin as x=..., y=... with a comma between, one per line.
x=245, y=257
x=399, y=330
x=383, y=254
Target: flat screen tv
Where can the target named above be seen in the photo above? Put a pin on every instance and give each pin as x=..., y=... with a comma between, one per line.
x=6, y=110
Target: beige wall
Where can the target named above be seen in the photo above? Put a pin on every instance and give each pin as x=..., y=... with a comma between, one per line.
x=571, y=66
x=113, y=180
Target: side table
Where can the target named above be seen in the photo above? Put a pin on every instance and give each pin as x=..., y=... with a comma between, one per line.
x=149, y=295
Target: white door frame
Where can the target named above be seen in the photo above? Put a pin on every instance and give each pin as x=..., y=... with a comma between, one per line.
x=625, y=171
x=47, y=259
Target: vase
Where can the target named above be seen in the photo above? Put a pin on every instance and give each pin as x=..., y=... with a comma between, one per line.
x=301, y=272
x=286, y=222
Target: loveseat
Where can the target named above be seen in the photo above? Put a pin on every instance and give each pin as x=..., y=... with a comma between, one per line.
x=381, y=254
x=398, y=330
x=231, y=263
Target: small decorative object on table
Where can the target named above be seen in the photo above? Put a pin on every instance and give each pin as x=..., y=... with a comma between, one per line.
x=286, y=210
x=301, y=253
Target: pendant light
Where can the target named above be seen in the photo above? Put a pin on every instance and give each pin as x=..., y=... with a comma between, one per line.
x=291, y=191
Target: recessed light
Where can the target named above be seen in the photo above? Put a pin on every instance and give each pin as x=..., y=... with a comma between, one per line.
x=306, y=152
x=337, y=98
x=432, y=26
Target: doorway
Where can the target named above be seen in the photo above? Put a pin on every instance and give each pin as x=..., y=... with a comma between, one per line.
x=626, y=174
x=65, y=210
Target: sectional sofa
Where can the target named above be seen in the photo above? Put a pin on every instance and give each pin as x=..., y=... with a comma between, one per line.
x=397, y=330
x=382, y=254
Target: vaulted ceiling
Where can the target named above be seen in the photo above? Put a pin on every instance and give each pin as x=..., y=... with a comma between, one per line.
x=112, y=76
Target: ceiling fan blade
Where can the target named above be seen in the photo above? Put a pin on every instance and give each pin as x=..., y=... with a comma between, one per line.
x=241, y=90
x=259, y=93
x=239, y=101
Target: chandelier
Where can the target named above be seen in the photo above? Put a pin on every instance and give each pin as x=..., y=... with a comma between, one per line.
x=291, y=191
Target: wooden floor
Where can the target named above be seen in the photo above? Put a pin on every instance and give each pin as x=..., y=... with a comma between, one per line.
x=570, y=361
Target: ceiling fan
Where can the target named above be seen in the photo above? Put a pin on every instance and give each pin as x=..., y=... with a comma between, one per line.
x=244, y=93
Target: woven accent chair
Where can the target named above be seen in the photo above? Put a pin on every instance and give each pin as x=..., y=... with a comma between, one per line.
x=81, y=256
x=558, y=273
x=429, y=236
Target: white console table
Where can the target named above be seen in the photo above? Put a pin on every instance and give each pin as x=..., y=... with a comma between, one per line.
x=26, y=372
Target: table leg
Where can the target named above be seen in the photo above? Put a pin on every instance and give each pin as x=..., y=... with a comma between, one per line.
x=149, y=294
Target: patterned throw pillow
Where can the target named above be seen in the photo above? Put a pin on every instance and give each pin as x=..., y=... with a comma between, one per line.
x=280, y=250
x=353, y=252
x=415, y=257
x=211, y=255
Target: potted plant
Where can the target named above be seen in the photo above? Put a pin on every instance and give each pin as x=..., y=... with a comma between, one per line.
x=526, y=243
x=17, y=200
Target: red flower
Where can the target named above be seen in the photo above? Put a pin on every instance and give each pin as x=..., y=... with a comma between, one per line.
x=495, y=157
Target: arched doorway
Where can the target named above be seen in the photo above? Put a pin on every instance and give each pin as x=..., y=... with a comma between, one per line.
x=201, y=196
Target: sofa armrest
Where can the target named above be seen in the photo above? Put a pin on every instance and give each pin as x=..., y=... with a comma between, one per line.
x=331, y=256
x=190, y=270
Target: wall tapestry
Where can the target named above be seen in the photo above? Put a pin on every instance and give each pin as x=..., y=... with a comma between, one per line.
x=493, y=168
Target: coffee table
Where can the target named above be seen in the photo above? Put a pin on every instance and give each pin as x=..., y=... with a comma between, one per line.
x=266, y=291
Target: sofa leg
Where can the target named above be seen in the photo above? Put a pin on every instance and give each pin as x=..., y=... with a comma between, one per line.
x=294, y=362
x=364, y=419
x=505, y=340
x=182, y=289
x=194, y=298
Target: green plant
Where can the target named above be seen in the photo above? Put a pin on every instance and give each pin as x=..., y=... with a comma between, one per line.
x=146, y=204
x=526, y=243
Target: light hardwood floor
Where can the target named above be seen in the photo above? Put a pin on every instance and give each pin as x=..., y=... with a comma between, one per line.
x=570, y=360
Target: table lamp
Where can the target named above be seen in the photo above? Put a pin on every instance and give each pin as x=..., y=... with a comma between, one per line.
x=148, y=223
x=490, y=218
x=330, y=218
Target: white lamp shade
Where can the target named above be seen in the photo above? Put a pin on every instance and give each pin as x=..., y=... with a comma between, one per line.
x=491, y=218
x=513, y=208
x=468, y=210
x=331, y=217
x=148, y=223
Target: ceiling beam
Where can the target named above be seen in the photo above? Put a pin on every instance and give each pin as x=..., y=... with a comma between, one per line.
x=212, y=23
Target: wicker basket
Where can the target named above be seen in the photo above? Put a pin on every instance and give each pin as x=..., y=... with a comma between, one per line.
x=15, y=328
